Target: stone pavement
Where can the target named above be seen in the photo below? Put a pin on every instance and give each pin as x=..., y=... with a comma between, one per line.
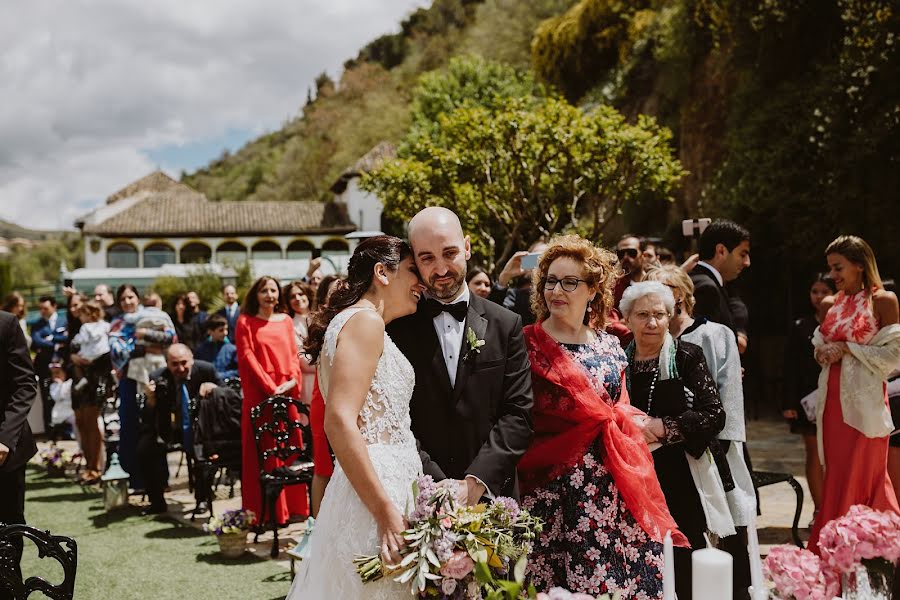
x=772, y=448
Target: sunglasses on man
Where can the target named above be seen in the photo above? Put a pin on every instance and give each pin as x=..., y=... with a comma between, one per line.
x=629, y=252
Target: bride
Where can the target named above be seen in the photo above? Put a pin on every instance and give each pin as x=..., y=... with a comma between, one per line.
x=367, y=384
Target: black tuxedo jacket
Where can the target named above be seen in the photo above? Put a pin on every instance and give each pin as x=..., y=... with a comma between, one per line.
x=18, y=392
x=482, y=425
x=711, y=299
x=168, y=399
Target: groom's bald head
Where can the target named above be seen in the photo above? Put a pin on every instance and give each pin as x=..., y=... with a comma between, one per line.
x=433, y=219
x=441, y=250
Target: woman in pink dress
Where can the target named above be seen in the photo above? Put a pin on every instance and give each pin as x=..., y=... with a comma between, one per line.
x=858, y=344
x=268, y=365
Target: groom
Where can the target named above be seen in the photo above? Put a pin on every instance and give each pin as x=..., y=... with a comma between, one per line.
x=471, y=408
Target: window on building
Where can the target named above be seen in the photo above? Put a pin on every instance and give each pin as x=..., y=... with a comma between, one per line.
x=121, y=255
x=159, y=254
x=266, y=250
x=231, y=252
x=300, y=249
x=197, y=253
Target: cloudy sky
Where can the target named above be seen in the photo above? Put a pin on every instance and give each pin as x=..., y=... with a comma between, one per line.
x=97, y=93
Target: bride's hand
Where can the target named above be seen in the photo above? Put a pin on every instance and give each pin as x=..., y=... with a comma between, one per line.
x=391, y=527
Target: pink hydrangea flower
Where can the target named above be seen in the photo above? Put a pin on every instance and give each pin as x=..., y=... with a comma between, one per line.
x=798, y=573
x=860, y=534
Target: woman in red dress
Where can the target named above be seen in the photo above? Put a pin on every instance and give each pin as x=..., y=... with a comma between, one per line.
x=858, y=344
x=268, y=365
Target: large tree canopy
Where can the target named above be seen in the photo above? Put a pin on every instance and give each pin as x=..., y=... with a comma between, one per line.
x=519, y=168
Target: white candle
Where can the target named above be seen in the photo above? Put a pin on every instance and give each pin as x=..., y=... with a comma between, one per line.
x=758, y=591
x=668, y=568
x=711, y=574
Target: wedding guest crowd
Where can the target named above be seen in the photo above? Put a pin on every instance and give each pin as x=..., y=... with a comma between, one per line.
x=635, y=369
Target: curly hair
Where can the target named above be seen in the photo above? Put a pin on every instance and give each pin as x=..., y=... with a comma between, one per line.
x=601, y=269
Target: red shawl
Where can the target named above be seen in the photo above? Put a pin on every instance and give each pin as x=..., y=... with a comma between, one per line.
x=569, y=414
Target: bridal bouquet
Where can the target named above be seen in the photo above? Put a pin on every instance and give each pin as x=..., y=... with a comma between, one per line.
x=455, y=551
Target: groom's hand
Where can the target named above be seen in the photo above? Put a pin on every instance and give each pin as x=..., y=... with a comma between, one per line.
x=474, y=490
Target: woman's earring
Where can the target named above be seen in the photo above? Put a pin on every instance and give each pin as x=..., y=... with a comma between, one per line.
x=590, y=309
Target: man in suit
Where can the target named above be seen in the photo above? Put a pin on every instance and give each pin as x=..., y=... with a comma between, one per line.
x=471, y=408
x=724, y=252
x=48, y=336
x=232, y=309
x=167, y=398
x=104, y=295
x=18, y=392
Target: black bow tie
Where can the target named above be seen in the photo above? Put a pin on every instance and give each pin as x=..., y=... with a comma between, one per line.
x=457, y=311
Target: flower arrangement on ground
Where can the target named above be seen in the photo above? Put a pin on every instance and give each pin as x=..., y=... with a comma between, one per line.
x=863, y=544
x=798, y=574
x=231, y=521
x=54, y=458
x=455, y=551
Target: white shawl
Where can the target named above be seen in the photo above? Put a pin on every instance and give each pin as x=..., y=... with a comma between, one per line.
x=863, y=373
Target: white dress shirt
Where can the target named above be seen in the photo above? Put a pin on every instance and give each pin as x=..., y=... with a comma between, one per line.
x=714, y=270
x=450, y=334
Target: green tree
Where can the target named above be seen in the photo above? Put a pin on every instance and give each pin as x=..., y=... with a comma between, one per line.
x=528, y=168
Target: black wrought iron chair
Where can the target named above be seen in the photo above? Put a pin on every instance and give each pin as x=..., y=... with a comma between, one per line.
x=62, y=549
x=274, y=430
x=215, y=456
x=764, y=478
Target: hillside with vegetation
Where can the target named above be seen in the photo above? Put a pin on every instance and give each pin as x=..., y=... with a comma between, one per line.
x=784, y=114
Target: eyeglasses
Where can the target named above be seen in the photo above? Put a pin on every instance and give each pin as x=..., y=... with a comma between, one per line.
x=569, y=284
x=630, y=252
x=644, y=316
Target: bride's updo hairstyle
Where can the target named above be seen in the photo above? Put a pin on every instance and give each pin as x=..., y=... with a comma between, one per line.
x=384, y=249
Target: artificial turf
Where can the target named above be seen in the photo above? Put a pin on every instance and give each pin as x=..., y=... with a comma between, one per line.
x=124, y=556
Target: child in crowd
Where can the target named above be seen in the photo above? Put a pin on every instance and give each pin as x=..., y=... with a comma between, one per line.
x=62, y=417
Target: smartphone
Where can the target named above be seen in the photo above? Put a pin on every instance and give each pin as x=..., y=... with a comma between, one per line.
x=694, y=227
x=530, y=260
x=67, y=282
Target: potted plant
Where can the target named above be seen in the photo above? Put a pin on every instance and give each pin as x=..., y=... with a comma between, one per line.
x=231, y=529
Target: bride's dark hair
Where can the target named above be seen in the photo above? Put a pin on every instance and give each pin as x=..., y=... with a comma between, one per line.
x=384, y=249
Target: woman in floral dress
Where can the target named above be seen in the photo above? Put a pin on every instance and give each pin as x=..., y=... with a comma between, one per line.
x=588, y=473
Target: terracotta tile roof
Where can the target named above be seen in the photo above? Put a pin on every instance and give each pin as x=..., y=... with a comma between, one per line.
x=169, y=209
x=371, y=160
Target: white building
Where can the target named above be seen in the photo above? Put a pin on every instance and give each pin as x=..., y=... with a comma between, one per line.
x=363, y=208
x=156, y=223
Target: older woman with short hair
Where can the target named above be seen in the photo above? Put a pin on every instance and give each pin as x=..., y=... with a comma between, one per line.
x=668, y=379
x=588, y=472
x=720, y=350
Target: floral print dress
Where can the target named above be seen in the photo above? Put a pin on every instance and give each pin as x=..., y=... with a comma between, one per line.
x=591, y=543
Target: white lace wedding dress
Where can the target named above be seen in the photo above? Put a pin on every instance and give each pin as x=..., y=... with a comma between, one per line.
x=345, y=528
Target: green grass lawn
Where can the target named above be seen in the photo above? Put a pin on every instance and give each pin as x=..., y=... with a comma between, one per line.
x=126, y=556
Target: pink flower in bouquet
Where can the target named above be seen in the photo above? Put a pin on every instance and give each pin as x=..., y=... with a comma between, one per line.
x=458, y=566
x=448, y=585
x=446, y=522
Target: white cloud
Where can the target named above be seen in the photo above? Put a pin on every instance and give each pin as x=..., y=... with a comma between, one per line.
x=89, y=85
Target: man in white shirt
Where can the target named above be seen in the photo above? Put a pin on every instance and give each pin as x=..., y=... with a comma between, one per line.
x=232, y=309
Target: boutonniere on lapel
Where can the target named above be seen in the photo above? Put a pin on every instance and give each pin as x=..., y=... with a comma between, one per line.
x=473, y=343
